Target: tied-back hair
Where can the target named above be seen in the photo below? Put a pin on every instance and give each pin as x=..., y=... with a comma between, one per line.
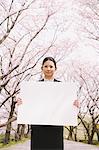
x=51, y=59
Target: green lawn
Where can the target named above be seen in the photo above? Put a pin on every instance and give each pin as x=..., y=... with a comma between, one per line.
x=12, y=142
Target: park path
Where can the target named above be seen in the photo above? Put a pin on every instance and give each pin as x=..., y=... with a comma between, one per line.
x=68, y=145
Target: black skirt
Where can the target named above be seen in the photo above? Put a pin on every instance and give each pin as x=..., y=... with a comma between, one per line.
x=46, y=137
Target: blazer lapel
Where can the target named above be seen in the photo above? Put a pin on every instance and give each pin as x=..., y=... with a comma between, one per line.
x=41, y=80
x=54, y=80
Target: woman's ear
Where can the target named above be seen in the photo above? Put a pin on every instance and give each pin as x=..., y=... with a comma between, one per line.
x=41, y=68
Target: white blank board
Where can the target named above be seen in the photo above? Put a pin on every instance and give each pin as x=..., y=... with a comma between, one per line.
x=47, y=103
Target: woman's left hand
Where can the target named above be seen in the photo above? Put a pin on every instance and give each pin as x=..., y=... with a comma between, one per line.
x=76, y=103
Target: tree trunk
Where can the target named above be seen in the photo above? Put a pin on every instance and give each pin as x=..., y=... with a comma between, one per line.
x=17, y=134
x=97, y=136
x=90, y=138
x=22, y=131
x=7, y=134
x=75, y=134
x=70, y=136
x=28, y=131
x=8, y=129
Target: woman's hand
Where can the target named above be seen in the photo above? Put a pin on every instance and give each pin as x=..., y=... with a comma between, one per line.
x=19, y=101
x=76, y=103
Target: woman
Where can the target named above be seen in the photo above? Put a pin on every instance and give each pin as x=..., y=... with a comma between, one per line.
x=47, y=137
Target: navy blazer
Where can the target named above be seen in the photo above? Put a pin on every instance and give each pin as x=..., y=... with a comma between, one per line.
x=55, y=80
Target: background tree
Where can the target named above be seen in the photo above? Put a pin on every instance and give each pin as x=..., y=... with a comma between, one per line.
x=87, y=78
x=29, y=31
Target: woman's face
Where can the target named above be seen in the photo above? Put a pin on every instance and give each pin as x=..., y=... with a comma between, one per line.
x=48, y=69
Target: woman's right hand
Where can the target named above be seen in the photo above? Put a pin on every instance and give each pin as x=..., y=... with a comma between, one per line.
x=19, y=101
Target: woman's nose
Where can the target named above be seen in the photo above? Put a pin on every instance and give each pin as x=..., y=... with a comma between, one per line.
x=48, y=68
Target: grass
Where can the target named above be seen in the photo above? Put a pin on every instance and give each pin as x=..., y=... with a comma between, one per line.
x=12, y=141
x=93, y=143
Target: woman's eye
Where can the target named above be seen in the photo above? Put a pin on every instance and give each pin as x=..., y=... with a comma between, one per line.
x=48, y=66
x=51, y=66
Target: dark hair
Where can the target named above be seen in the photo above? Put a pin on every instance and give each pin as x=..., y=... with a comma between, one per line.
x=51, y=59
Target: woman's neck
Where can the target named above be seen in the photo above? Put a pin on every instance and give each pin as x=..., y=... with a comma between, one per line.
x=49, y=78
